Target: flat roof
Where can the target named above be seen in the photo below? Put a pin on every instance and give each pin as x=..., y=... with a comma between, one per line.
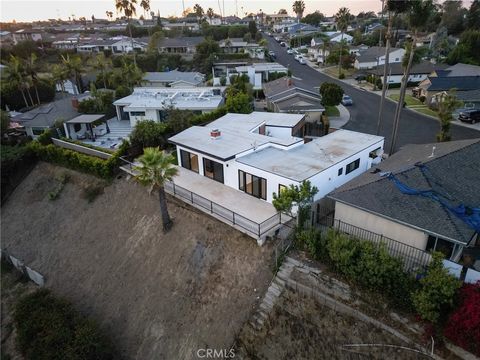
x=263, y=67
x=236, y=136
x=302, y=162
x=85, y=119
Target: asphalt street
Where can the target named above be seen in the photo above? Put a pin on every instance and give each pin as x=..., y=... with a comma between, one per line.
x=414, y=127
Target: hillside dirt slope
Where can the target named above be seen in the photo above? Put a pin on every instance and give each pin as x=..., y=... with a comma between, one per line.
x=159, y=296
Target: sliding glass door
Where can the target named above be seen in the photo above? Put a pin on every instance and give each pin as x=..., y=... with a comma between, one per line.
x=213, y=170
x=252, y=185
x=189, y=160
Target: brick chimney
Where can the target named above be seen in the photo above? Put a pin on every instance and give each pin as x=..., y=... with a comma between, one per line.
x=75, y=103
x=289, y=82
x=215, y=134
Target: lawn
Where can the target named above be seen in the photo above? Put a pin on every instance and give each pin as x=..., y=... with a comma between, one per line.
x=333, y=71
x=332, y=111
x=409, y=99
x=426, y=111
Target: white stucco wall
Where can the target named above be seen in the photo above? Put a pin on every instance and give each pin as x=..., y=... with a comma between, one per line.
x=380, y=225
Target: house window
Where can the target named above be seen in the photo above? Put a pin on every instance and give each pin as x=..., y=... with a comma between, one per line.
x=438, y=244
x=252, y=185
x=281, y=188
x=340, y=171
x=189, y=160
x=352, y=166
x=38, y=131
x=137, y=113
x=374, y=154
x=213, y=170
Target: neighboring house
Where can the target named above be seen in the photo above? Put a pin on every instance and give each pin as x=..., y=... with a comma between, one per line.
x=317, y=51
x=6, y=37
x=237, y=45
x=119, y=45
x=300, y=29
x=282, y=26
x=357, y=50
x=151, y=103
x=426, y=220
x=336, y=37
x=470, y=99
x=216, y=20
x=191, y=26
x=375, y=56
x=285, y=95
x=261, y=153
x=373, y=27
x=418, y=72
x=26, y=34
x=433, y=85
x=44, y=117
x=273, y=19
x=185, y=46
x=173, y=78
x=257, y=72
x=460, y=69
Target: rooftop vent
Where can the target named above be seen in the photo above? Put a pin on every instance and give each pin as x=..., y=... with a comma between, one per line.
x=215, y=134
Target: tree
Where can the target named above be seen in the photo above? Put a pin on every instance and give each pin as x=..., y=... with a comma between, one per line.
x=314, y=18
x=73, y=69
x=394, y=8
x=240, y=103
x=467, y=50
x=436, y=295
x=473, y=15
x=15, y=75
x=31, y=70
x=282, y=12
x=446, y=104
x=210, y=14
x=198, y=10
x=102, y=64
x=178, y=120
x=293, y=196
x=128, y=8
x=342, y=17
x=331, y=93
x=252, y=28
x=149, y=133
x=155, y=169
x=5, y=121
x=419, y=13
x=205, y=55
x=59, y=75
x=453, y=15
x=298, y=8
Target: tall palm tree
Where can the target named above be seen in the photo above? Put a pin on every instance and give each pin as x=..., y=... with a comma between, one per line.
x=342, y=17
x=59, y=75
x=31, y=70
x=73, y=68
x=102, y=64
x=155, y=169
x=419, y=14
x=198, y=10
x=128, y=8
x=298, y=8
x=15, y=75
x=210, y=14
x=394, y=8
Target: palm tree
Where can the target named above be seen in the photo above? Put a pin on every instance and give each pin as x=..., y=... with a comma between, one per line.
x=73, y=69
x=446, y=104
x=298, y=8
x=31, y=71
x=60, y=75
x=210, y=14
x=342, y=17
x=418, y=15
x=102, y=64
x=131, y=74
x=394, y=7
x=155, y=169
x=128, y=8
x=198, y=10
x=109, y=15
x=15, y=75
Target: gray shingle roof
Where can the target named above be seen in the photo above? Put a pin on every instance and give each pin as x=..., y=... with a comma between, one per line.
x=454, y=170
x=46, y=115
x=461, y=69
x=461, y=83
x=424, y=67
x=181, y=41
x=372, y=53
x=172, y=76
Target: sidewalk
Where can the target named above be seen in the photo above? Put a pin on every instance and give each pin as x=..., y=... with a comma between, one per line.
x=337, y=122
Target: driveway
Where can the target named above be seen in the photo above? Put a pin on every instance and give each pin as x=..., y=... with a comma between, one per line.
x=414, y=127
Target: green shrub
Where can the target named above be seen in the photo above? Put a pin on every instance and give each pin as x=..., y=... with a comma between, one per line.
x=45, y=138
x=312, y=241
x=341, y=76
x=49, y=328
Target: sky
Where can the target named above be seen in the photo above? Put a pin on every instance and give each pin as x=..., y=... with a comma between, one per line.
x=30, y=10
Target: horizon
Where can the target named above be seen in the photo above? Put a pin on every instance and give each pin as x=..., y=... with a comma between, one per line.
x=39, y=10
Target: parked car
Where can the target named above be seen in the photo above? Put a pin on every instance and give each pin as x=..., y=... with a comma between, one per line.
x=347, y=100
x=277, y=39
x=290, y=51
x=470, y=116
x=302, y=61
x=269, y=34
x=272, y=54
x=361, y=77
x=298, y=57
x=283, y=44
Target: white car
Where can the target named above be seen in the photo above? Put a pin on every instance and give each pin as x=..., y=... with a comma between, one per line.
x=302, y=61
x=290, y=51
x=298, y=57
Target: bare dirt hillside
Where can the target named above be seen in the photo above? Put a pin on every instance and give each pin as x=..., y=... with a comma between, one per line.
x=159, y=296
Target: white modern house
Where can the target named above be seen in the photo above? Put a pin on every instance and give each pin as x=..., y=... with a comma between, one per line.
x=260, y=153
x=117, y=45
x=173, y=79
x=239, y=46
x=375, y=56
x=336, y=37
x=258, y=73
x=148, y=103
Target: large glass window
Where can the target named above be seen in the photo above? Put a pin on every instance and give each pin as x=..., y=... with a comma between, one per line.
x=352, y=166
x=213, y=170
x=438, y=244
x=252, y=185
x=189, y=160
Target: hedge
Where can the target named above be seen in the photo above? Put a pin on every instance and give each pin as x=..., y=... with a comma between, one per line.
x=49, y=327
x=78, y=161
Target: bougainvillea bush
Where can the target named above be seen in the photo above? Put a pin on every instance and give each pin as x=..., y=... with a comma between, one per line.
x=463, y=326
